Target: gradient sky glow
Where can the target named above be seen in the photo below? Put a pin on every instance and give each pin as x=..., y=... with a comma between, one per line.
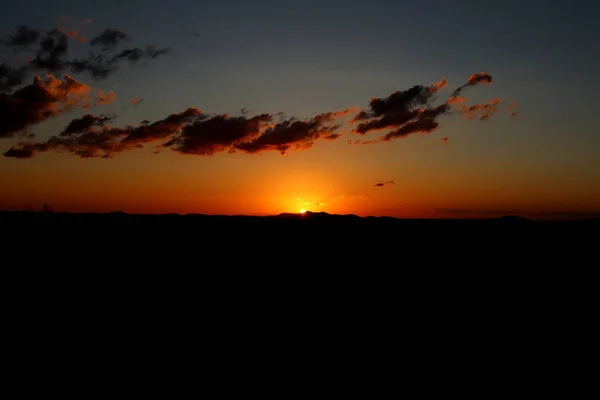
x=308, y=57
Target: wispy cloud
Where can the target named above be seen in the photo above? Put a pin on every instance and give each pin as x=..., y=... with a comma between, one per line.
x=49, y=50
x=381, y=184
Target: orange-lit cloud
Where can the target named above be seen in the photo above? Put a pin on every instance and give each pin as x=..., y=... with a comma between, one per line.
x=104, y=97
x=512, y=108
x=481, y=78
x=481, y=111
x=410, y=111
x=192, y=132
x=41, y=100
x=456, y=100
x=137, y=100
x=86, y=140
x=45, y=99
x=438, y=85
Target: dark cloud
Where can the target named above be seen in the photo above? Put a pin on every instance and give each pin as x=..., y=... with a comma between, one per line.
x=353, y=142
x=85, y=140
x=424, y=121
x=24, y=37
x=51, y=54
x=11, y=77
x=108, y=39
x=482, y=78
x=86, y=123
x=38, y=102
x=26, y=151
x=294, y=133
x=380, y=184
x=398, y=108
x=137, y=53
x=101, y=65
x=411, y=111
x=219, y=133
x=192, y=132
x=189, y=132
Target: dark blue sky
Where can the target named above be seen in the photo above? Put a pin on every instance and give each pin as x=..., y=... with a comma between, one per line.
x=543, y=52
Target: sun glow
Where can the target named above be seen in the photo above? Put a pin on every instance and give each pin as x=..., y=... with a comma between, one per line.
x=302, y=211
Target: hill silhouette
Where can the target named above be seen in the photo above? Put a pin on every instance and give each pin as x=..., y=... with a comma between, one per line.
x=293, y=256
x=316, y=233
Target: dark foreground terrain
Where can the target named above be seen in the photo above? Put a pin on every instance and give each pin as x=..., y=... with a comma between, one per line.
x=291, y=238
x=290, y=265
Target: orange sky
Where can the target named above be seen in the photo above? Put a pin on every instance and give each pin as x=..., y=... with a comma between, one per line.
x=268, y=183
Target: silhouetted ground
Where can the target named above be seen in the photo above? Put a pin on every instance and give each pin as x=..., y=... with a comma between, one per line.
x=505, y=275
x=290, y=238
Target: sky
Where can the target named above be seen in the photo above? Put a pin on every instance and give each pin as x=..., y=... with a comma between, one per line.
x=411, y=109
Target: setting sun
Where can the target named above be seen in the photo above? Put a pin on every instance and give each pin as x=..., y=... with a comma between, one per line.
x=302, y=211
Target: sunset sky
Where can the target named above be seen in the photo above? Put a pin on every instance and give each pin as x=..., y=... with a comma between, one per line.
x=479, y=109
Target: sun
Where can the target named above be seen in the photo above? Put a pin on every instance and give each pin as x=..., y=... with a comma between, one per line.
x=302, y=211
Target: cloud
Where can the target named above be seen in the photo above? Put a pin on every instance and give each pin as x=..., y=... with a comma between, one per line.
x=402, y=113
x=295, y=133
x=445, y=140
x=40, y=101
x=398, y=108
x=207, y=136
x=108, y=39
x=481, y=111
x=86, y=140
x=11, y=77
x=137, y=100
x=362, y=141
x=512, y=108
x=86, y=123
x=103, y=97
x=411, y=111
x=24, y=37
x=50, y=50
x=381, y=184
x=482, y=78
x=101, y=65
x=436, y=87
x=424, y=121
